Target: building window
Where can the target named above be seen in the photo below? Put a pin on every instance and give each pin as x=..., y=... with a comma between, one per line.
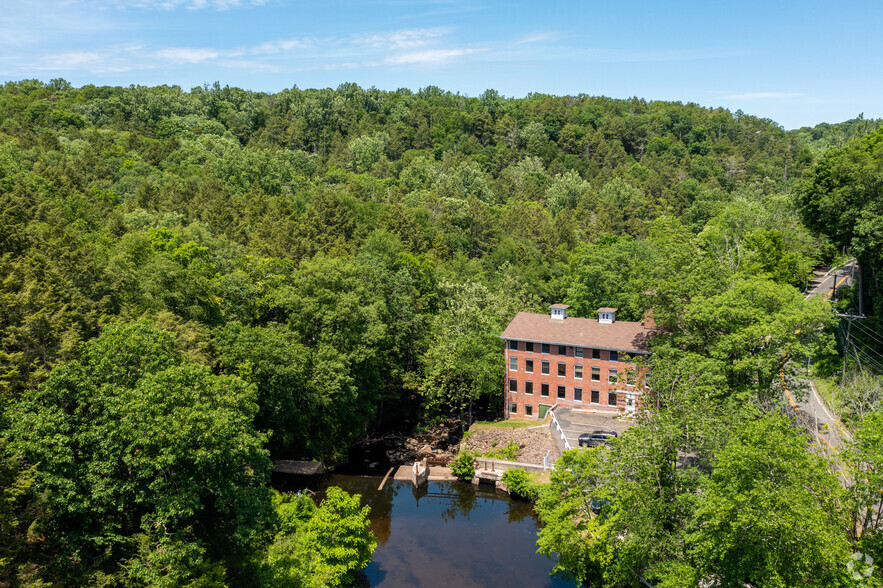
x=577, y=394
x=611, y=398
x=513, y=408
x=562, y=369
x=614, y=355
x=513, y=385
x=513, y=345
x=545, y=368
x=562, y=392
x=596, y=374
x=562, y=350
x=528, y=366
x=596, y=354
x=577, y=351
x=631, y=377
x=545, y=348
x=528, y=387
x=528, y=347
x=611, y=376
x=513, y=364
x=578, y=372
x=647, y=376
x=544, y=389
x=528, y=410
x=596, y=397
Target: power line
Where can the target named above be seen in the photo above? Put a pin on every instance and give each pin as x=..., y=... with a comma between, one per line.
x=868, y=332
x=860, y=355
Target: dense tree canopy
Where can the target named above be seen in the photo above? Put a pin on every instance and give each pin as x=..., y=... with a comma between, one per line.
x=192, y=282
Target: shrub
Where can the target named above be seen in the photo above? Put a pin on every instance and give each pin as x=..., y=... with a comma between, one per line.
x=509, y=452
x=463, y=466
x=521, y=484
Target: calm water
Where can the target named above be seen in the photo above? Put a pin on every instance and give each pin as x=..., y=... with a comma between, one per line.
x=449, y=534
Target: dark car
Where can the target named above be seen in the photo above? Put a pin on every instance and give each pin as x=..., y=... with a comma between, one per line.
x=596, y=438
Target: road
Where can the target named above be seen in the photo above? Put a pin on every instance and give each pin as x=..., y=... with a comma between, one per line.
x=822, y=283
x=576, y=422
x=800, y=392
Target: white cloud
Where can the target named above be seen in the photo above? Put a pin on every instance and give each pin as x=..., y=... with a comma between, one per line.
x=107, y=60
x=271, y=47
x=763, y=95
x=397, y=48
x=187, y=4
x=537, y=38
x=429, y=57
x=401, y=39
x=186, y=55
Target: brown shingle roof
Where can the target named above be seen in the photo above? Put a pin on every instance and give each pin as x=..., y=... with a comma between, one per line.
x=579, y=332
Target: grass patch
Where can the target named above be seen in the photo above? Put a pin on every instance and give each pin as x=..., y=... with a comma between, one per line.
x=509, y=424
x=830, y=393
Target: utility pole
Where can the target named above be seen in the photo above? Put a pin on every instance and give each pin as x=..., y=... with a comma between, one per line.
x=846, y=349
x=859, y=268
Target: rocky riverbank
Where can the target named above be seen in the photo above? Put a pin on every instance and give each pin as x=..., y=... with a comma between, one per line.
x=533, y=443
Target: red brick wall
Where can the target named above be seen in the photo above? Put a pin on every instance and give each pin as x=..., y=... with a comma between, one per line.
x=569, y=381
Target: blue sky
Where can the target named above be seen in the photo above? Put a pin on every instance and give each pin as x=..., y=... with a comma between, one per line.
x=798, y=63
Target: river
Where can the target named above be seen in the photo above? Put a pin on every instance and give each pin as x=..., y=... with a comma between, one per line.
x=448, y=534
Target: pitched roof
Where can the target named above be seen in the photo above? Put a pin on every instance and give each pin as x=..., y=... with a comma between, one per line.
x=579, y=332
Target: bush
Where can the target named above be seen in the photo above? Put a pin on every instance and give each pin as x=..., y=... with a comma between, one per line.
x=509, y=452
x=463, y=466
x=521, y=484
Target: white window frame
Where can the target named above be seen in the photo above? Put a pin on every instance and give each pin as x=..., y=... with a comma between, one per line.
x=578, y=371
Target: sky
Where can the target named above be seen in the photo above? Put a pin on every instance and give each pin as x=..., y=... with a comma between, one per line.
x=797, y=63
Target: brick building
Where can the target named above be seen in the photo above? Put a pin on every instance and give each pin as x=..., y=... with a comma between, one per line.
x=575, y=362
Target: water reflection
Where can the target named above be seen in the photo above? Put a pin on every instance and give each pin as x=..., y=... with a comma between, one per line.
x=448, y=534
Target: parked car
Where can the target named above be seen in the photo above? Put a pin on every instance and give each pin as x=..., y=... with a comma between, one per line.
x=596, y=438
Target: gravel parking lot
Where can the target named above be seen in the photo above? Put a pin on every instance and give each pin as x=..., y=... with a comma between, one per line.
x=576, y=422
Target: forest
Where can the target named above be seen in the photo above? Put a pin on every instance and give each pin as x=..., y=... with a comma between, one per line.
x=195, y=283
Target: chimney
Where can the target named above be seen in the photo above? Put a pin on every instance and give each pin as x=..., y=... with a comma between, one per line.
x=559, y=311
x=606, y=316
x=648, y=322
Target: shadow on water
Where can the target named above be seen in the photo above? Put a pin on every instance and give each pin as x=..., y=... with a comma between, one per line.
x=447, y=534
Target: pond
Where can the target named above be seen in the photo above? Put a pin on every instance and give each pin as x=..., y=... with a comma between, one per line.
x=448, y=534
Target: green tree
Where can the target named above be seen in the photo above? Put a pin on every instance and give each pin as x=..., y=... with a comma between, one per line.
x=462, y=363
x=754, y=328
x=565, y=191
x=135, y=446
x=769, y=514
x=320, y=547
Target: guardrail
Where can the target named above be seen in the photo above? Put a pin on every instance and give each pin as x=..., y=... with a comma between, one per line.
x=554, y=423
x=488, y=463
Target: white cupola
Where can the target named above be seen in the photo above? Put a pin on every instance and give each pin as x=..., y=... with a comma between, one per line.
x=559, y=311
x=606, y=316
